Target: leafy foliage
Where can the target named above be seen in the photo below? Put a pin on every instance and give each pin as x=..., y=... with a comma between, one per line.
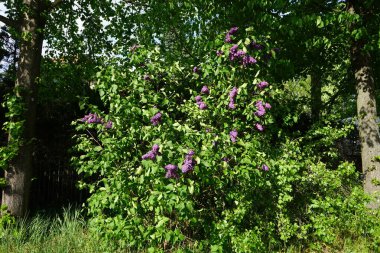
x=246, y=187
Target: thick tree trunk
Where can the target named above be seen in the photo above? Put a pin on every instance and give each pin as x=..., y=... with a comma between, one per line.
x=368, y=128
x=19, y=173
x=366, y=112
x=316, y=96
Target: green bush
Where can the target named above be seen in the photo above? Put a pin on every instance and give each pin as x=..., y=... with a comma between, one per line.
x=244, y=189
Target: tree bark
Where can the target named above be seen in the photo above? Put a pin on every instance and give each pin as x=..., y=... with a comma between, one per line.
x=366, y=111
x=19, y=173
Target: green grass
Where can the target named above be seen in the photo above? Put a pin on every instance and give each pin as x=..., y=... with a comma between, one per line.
x=68, y=233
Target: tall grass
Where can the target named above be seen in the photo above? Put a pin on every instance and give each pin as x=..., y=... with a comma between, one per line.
x=66, y=233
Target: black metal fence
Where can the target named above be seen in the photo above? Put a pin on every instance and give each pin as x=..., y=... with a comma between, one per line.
x=54, y=184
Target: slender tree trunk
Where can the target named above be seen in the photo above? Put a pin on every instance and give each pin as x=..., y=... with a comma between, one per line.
x=366, y=112
x=316, y=96
x=19, y=173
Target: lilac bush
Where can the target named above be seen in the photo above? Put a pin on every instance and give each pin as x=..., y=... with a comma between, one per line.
x=242, y=184
x=142, y=192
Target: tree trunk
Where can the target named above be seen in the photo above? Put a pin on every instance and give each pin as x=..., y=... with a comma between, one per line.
x=366, y=112
x=19, y=172
x=316, y=96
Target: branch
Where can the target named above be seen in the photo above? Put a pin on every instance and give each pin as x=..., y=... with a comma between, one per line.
x=9, y=22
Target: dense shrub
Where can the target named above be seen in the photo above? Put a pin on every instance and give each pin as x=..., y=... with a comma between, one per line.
x=188, y=156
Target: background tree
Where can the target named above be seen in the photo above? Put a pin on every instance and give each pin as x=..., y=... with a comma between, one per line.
x=365, y=36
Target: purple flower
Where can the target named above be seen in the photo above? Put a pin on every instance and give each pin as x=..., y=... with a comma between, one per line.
x=155, y=148
x=234, y=92
x=188, y=163
x=198, y=98
x=260, y=112
x=228, y=38
x=232, y=95
x=219, y=53
x=234, y=48
x=108, y=125
x=233, y=52
x=231, y=105
x=265, y=167
x=147, y=77
x=196, y=69
x=171, y=167
x=92, y=118
x=233, y=30
x=240, y=53
x=156, y=119
x=202, y=105
x=262, y=85
x=208, y=130
x=260, y=109
x=267, y=106
x=257, y=46
x=150, y=155
x=247, y=60
x=205, y=90
x=171, y=171
x=233, y=135
x=225, y=159
x=259, y=127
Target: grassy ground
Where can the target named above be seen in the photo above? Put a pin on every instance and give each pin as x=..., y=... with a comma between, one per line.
x=68, y=233
x=62, y=234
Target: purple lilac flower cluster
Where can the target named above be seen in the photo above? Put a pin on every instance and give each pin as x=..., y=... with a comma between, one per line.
x=109, y=124
x=205, y=90
x=156, y=119
x=248, y=60
x=256, y=46
x=240, y=54
x=261, y=110
x=259, y=127
x=265, y=167
x=232, y=31
x=233, y=94
x=233, y=135
x=188, y=163
x=151, y=155
x=196, y=69
x=262, y=85
x=171, y=171
x=198, y=99
x=93, y=118
x=235, y=53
